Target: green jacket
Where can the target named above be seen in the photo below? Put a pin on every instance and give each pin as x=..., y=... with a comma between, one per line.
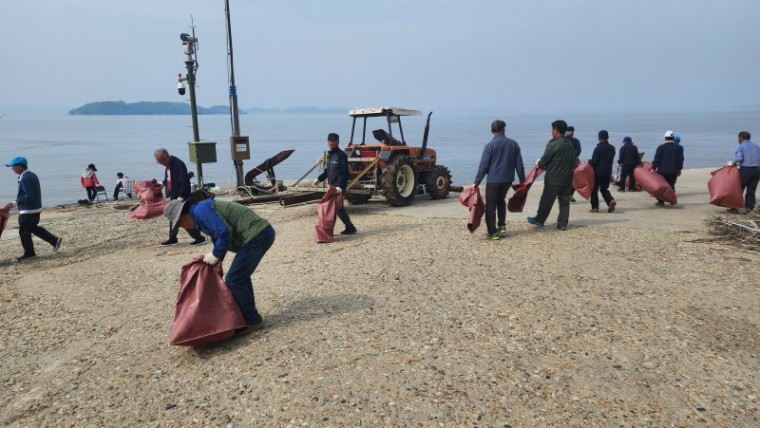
x=229, y=224
x=559, y=162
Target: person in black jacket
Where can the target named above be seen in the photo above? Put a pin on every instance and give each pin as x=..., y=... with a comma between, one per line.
x=601, y=160
x=570, y=136
x=336, y=174
x=177, y=182
x=668, y=162
x=628, y=159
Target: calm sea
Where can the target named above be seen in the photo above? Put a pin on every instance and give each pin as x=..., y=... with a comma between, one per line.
x=59, y=148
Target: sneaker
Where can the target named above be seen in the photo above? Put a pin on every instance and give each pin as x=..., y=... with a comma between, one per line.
x=743, y=211
x=534, y=222
x=733, y=210
x=349, y=231
x=562, y=227
x=250, y=328
x=197, y=242
x=25, y=258
x=169, y=242
x=621, y=189
x=611, y=206
x=502, y=231
x=660, y=204
x=594, y=210
x=572, y=199
x=57, y=244
x=493, y=237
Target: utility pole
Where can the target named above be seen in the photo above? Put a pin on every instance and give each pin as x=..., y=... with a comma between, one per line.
x=239, y=146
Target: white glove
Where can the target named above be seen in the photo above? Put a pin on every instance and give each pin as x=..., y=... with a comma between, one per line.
x=181, y=199
x=730, y=163
x=210, y=259
x=315, y=183
x=338, y=190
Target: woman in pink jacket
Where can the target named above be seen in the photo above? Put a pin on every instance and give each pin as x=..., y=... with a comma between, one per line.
x=89, y=181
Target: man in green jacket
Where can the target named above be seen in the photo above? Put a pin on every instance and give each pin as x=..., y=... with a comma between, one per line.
x=559, y=162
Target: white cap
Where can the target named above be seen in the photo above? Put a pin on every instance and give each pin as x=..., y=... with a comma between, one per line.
x=669, y=134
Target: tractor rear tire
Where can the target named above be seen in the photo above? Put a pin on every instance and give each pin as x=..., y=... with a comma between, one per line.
x=399, y=181
x=438, y=182
x=357, y=199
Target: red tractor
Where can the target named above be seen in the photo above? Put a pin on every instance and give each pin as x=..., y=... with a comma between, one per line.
x=388, y=166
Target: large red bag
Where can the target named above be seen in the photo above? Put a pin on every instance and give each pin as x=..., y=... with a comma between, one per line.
x=725, y=187
x=655, y=185
x=206, y=311
x=152, y=200
x=516, y=203
x=4, y=214
x=583, y=179
x=326, y=211
x=470, y=197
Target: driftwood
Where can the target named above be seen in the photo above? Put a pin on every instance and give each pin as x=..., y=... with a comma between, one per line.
x=742, y=232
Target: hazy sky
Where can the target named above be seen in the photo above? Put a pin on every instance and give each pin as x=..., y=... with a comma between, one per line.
x=535, y=56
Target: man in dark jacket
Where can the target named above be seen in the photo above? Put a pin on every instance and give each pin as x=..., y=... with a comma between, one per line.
x=668, y=162
x=628, y=159
x=601, y=160
x=177, y=182
x=336, y=174
x=29, y=202
x=570, y=135
x=501, y=158
x=559, y=162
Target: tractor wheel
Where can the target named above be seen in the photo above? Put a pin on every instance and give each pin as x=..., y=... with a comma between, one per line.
x=357, y=199
x=438, y=181
x=399, y=181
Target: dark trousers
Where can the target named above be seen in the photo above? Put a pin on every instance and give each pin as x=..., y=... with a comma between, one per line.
x=626, y=171
x=750, y=176
x=194, y=233
x=671, y=179
x=238, y=278
x=343, y=216
x=28, y=225
x=561, y=194
x=601, y=184
x=496, y=194
x=119, y=186
x=91, y=192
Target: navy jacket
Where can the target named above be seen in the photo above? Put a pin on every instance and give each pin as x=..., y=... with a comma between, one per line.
x=29, y=197
x=501, y=158
x=668, y=159
x=629, y=155
x=180, y=180
x=336, y=172
x=576, y=145
x=602, y=159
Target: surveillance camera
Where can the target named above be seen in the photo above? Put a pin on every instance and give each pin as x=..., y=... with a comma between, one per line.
x=181, y=88
x=186, y=38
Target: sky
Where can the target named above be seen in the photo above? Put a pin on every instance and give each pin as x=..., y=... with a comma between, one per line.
x=512, y=55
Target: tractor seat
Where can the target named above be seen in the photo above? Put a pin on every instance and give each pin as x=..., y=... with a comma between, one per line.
x=382, y=136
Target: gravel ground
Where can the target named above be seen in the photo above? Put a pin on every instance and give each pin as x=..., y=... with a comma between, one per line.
x=622, y=320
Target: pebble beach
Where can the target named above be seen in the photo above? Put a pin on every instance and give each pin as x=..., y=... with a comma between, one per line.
x=626, y=319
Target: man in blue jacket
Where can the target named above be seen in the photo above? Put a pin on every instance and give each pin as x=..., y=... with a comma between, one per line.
x=177, y=182
x=336, y=174
x=668, y=162
x=29, y=202
x=501, y=158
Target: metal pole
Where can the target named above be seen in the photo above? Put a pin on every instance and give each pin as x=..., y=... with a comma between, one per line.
x=233, y=95
x=194, y=113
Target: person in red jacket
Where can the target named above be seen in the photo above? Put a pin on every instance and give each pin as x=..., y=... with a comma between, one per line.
x=90, y=181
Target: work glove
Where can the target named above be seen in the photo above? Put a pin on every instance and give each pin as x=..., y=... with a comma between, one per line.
x=678, y=174
x=338, y=190
x=181, y=199
x=210, y=259
x=475, y=186
x=315, y=183
x=730, y=163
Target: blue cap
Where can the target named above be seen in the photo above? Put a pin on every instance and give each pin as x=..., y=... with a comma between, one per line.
x=18, y=160
x=677, y=138
x=627, y=139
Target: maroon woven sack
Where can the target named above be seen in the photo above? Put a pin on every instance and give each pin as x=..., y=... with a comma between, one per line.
x=152, y=200
x=470, y=197
x=655, y=185
x=725, y=187
x=516, y=203
x=206, y=311
x=4, y=214
x=583, y=179
x=326, y=211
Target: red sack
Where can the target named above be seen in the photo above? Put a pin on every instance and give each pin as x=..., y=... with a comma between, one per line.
x=470, y=197
x=725, y=187
x=4, y=213
x=152, y=201
x=206, y=311
x=516, y=203
x=326, y=212
x=654, y=184
x=583, y=179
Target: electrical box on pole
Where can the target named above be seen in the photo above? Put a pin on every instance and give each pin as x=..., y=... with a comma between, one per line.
x=240, y=148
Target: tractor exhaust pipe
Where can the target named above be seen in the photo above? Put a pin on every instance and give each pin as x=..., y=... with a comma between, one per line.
x=425, y=136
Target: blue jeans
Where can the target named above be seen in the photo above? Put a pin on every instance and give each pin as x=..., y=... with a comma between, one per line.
x=238, y=277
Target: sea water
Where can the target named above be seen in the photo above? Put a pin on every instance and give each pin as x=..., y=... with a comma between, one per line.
x=59, y=148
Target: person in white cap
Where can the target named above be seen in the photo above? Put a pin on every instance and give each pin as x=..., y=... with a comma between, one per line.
x=668, y=162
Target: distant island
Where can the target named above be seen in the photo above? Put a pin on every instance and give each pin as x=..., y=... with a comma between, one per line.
x=108, y=108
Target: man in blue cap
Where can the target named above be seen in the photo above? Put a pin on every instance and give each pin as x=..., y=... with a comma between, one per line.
x=29, y=202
